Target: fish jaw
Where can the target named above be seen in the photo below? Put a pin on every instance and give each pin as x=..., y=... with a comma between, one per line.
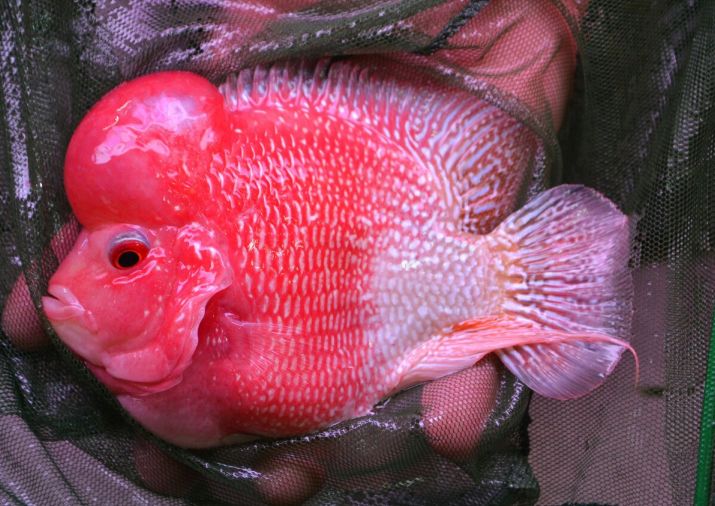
x=146, y=346
x=147, y=370
x=78, y=329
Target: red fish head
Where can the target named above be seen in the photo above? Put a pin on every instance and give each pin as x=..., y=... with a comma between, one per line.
x=141, y=152
x=129, y=300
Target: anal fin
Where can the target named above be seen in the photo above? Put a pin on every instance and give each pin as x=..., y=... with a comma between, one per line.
x=553, y=363
x=566, y=369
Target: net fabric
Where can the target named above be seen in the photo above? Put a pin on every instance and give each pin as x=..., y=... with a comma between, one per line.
x=641, y=130
x=637, y=130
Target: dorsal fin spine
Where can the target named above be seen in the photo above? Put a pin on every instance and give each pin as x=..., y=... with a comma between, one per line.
x=356, y=94
x=459, y=139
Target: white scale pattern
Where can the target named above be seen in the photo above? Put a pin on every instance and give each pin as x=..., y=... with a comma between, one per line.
x=352, y=230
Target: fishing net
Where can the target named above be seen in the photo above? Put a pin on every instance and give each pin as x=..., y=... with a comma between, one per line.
x=639, y=127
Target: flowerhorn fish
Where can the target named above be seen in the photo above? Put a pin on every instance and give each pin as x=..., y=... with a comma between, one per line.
x=279, y=256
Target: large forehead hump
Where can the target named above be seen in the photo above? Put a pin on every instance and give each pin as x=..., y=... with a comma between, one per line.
x=141, y=146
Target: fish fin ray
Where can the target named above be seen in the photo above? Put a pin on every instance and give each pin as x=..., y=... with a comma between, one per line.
x=476, y=153
x=264, y=344
x=567, y=369
x=453, y=350
x=434, y=360
x=553, y=363
x=563, y=262
x=489, y=166
x=563, y=266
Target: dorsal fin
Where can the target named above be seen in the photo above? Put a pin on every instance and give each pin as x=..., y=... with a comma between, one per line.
x=479, y=155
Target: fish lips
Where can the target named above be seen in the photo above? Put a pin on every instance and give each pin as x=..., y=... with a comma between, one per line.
x=74, y=323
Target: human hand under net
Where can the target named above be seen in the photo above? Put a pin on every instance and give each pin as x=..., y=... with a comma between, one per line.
x=450, y=421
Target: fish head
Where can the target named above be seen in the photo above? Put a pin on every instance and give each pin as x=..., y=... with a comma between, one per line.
x=131, y=294
x=129, y=301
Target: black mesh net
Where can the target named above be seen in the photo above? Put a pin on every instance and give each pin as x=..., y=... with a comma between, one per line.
x=638, y=127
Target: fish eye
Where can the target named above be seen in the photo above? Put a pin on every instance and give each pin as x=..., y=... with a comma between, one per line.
x=128, y=250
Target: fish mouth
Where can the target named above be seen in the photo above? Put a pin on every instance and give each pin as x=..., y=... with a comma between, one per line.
x=62, y=304
x=74, y=324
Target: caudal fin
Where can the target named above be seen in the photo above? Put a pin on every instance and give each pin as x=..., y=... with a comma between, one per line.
x=564, y=269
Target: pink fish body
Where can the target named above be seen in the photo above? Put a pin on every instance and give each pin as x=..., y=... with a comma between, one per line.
x=278, y=257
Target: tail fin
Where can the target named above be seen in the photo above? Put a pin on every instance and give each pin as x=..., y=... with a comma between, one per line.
x=565, y=272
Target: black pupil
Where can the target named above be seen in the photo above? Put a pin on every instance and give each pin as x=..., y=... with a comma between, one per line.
x=128, y=259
